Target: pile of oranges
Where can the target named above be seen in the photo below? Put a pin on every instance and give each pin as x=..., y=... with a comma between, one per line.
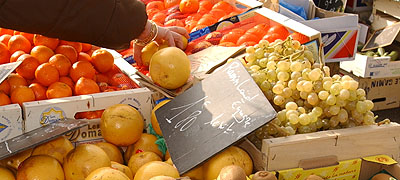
x=191, y=14
x=53, y=68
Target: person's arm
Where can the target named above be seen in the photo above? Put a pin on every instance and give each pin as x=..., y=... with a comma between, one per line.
x=105, y=23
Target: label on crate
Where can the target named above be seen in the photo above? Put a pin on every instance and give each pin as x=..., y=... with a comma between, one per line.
x=51, y=114
x=214, y=113
x=7, y=69
x=88, y=133
x=382, y=37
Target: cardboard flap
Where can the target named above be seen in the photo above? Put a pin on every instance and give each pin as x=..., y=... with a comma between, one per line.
x=318, y=162
x=381, y=159
x=7, y=69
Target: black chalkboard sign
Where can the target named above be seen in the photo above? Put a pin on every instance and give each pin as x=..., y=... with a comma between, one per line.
x=332, y=5
x=38, y=136
x=382, y=37
x=212, y=115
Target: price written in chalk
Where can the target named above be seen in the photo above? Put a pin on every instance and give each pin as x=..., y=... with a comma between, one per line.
x=215, y=113
x=238, y=115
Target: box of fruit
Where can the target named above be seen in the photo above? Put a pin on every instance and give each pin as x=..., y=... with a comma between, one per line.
x=288, y=152
x=367, y=66
x=339, y=31
x=11, y=123
x=138, y=98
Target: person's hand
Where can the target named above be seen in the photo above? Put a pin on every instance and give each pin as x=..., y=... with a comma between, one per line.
x=172, y=35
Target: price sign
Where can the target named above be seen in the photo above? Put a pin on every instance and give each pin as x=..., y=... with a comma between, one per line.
x=7, y=69
x=212, y=115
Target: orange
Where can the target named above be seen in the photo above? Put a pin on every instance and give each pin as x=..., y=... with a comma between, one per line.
x=47, y=74
x=76, y=45
x=14, y=57
x=51, y=43
x=5, y=38
x=86, y=86
x=193, y=17
x=188, y=6
x=102, y=60
x=159, y=17
x=28, y=66
x=121, y=124
x=206, y=4
x=190, y=25
x=207, y=21
x=155, y=5
x=238, y=31
x=145, y=143
x=263, y=27
x=16, y=33
x=68, y=51
x=58, y=90
x=40, y=167
x=84, y=57
x=6, y=31
x=230, y=37
x=22, y=94
x=86, y=47
x=19, y=42
x=39, y=91
x=272, y=37
x=28, y=36
x=247, y=38
x=15, y=81
x=67, y=80
x=102, y=78
x=4, y=54
x=42, y=53
x=223, y=6
x=156, y=168
x=171, y=3
x=82, y=69
x=248, y=43
x=4, y=99
x=5, y=87
x=61, y=63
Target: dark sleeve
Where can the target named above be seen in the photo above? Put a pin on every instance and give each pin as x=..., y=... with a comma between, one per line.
x=105, y=23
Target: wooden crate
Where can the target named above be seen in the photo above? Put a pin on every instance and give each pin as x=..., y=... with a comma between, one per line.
x=287, y=152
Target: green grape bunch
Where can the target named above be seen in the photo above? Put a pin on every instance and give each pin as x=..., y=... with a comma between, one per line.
x=302, y=91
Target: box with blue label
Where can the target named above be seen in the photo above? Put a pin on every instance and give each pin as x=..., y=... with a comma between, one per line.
x=339, y=31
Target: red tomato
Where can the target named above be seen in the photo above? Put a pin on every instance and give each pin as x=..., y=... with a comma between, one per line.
x=279, y=29
x=300, y=37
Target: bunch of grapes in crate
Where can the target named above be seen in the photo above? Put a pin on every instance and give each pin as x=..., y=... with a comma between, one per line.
x=302, y=91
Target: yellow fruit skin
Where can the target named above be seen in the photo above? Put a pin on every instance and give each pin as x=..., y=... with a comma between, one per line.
x=57, y=148
x=41, y=167
x=170, y=68
x=13, y=162
x=138, y=160
x=148, y=51
x=231, y=156
x=185, y=42
x=6, y=174
x=195, y=174
x=122, y=168
x=107, y=173
x=121, y=125
x=154, y=122
x=156, y=168
x=113, y=152
x=145, y=143
x=84, y=159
